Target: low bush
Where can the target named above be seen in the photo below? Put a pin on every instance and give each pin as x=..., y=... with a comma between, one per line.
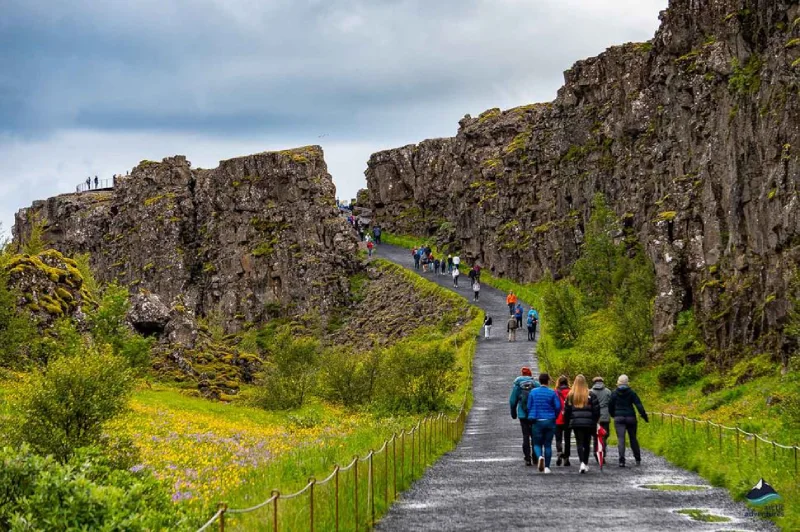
x=289, y=371
x=348, y=378
x=109, y=326
x=39, y=493
x=64, y=406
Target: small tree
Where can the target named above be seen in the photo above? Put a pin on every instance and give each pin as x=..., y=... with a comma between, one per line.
x=565, y=312
x=16, y=328
x=109, y=326
x=64, y=406
x=633, y=310
x=594, y=271
x=34, y=243
x=349, y=378
x=289, y=370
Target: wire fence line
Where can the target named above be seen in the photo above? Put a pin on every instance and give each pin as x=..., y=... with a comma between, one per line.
x=742, y=438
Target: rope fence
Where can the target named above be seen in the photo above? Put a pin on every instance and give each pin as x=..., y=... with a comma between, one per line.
x=733, y=440
x=352, y=497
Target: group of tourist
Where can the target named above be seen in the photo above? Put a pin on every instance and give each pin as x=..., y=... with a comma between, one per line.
x=515, y=319
x=545, y=413
x=425, y=260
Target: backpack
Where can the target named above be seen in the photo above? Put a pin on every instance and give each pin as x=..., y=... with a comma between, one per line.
x=525, y=388
x=530, y=320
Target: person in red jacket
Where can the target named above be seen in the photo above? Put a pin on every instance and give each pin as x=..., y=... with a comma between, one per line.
x=562, y=428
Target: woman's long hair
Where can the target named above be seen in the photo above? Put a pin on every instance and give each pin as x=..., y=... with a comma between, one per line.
x=579, y=395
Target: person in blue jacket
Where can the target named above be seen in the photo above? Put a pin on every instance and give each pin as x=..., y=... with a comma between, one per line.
x=533, y=321
x=544, y=405
x=518, y=401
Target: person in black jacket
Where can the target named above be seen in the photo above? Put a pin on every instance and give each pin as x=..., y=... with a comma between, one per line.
x=582, y=411
x=621, y=409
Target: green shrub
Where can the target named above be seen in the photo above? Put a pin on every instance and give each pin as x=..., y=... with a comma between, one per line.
x=349, y=378
x=632, y=310
x=109, y=326
x=16, y=328
x=290, y=368
x=417, y=375
x=64, y=406
x=38, y=493
x=565, y=313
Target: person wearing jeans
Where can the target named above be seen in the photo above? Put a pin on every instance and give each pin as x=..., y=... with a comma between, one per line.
x=621, y=407
x=518, y=401
x=544, y=406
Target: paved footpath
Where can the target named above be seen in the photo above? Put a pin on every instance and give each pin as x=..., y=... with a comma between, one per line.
x=484, y=485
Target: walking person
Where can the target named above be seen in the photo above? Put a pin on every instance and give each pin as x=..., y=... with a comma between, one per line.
x=582, y=412
x=96, y=183
x=511, y=328
x=533, y=318
x=531, y=327
x=518, y=315
x=474, y=274
x=455, y=277
x=621, y=407
x=518, y=401
x=449, y=263
x=544, y=406
x=476, y=290
x=416, y=258
x=370, y=245
x=436, y=266
x=562, y=426
x=511, y=301
x=88, y=183
x=487, y=327
x=603, y=395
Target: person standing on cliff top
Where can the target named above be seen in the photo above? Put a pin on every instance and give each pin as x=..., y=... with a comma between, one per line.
x=88, y=183
x=96, y=183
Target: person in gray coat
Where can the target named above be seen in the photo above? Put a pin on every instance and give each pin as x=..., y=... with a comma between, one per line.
x=603, y=395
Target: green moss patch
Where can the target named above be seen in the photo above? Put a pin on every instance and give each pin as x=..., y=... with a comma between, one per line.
x=699, y=514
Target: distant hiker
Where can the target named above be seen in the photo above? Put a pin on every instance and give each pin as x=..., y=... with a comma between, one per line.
x=89, y=183
x=511, y=327
x=518, y=401
x=436, y=266
x=533, y=321
x=444, y=266
x=487, y=327
x=455, y=277
x=562, y=426
x=603, y=395
x=370, y=245
x=431, y=262
x=474, y=274
x=77, y=188
x=449, y=263
x=511, y=301
x=424, y=261
x=476, y=290
x=378, y=233
x=582, y=411
x=456, y=261
x=96, y=186
x=544, y=406
x=518, y=315
x=621, y=408
x=416, y=258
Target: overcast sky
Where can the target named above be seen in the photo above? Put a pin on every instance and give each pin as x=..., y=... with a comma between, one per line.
x=92, y=87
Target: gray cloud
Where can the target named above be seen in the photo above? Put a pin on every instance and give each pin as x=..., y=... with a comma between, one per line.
x=207, y=76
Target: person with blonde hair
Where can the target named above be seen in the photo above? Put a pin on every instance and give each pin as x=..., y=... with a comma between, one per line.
x=582, y=411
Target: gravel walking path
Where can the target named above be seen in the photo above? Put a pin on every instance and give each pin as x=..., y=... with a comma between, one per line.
x=483, y=484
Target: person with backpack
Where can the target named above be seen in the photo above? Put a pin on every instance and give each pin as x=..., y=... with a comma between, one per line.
x=518, y=401
x=562, y=427
x=511, y=301
x=603, y=395
x=511, y=328
x=621, y=407
x=455, y=277
x=518, y=315
x=531, y=327
x=533, y=318
x=544, y=406
x=582, y=412
x=487, y=326
x=476, y=289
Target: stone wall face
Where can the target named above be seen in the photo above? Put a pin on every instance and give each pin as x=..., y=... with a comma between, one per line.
x=257, y=233
x=694, y=140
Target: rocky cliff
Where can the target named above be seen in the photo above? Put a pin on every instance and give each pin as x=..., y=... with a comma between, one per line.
x=259, y=234
x=693, y=138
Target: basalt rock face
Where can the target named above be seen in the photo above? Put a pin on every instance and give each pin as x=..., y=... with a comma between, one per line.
x=259, y=234
x=693, y=138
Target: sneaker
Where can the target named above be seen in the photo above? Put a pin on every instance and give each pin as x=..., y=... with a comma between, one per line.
x=583, y=468
x=638, y=463
x=560, y=459
x=547, y=471
x=528, y=462
x=622, y=464
x=541, y=464
x=566, y=462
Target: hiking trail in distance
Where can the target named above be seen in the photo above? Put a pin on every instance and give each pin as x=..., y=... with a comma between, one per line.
x=483, y=484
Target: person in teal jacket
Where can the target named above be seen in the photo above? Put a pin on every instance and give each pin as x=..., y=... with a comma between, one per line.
x=518, y=401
